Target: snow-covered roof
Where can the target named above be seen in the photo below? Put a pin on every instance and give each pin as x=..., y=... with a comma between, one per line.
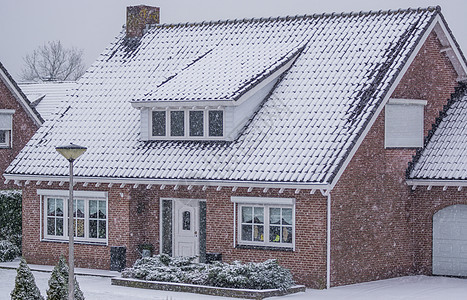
x=302, y=134
x=444, y=156
x=47, y=97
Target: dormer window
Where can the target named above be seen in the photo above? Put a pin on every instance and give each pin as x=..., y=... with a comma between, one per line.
x=190, y=124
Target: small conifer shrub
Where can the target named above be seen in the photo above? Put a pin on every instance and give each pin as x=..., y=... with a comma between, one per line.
x=58, y=283
x=25, y=285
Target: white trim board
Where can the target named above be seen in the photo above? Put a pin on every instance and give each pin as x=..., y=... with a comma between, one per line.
x=178, y=182
x=262, y=200
x=66, y=193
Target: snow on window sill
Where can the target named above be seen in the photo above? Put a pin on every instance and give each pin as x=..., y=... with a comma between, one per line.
x=96, y=243
x=271, y=248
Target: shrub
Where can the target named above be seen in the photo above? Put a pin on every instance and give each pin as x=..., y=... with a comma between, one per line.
x=8, y=251
x=266, y=275
x=25, y=285
x=58, y=283
x=165, y=268
x=10, y=217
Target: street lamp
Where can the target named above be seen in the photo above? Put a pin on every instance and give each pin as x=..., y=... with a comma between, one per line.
x=71, y=152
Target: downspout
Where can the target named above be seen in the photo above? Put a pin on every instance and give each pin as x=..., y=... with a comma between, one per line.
x=328, y=241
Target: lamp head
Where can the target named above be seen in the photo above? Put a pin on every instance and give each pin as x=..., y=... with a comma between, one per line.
x=71, y=151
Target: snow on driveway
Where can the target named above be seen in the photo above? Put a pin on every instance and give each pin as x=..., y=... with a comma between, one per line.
x=404, y=288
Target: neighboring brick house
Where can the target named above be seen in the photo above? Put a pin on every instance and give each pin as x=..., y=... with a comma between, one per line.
x=18, y=122
x=284, y=138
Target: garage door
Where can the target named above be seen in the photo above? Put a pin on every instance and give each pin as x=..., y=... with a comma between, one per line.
x=450, y=241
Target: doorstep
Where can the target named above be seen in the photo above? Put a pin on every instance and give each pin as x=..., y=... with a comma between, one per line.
x=46, y=268
x=207, y=290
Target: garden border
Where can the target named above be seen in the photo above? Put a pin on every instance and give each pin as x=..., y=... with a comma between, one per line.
x=204, y=289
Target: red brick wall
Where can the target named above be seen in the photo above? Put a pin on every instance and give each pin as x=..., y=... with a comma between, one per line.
x=371, y=232
x=23, y=130
x=307, y=262
x=134, y=219
x=86, y=255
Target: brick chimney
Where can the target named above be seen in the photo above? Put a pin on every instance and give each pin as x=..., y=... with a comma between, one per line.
x=137, y=17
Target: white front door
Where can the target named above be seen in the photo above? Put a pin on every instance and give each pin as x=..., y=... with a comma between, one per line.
x=186, y=227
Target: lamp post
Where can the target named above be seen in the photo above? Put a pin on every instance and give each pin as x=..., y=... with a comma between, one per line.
x=71, y=152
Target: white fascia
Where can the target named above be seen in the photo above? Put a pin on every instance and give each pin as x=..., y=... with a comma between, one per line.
x=385, y=100
x=23, y=102
x=433, y=182
x=450, y=48
x=130, y=181
x=217, y=103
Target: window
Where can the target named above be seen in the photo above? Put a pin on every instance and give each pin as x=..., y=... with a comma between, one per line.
x=177, y=123
x=158, y=123
x=404, y=123
x=90, y=217
x=187, y=124
x=6, y=125
x=196, y=123
x=216, y=123
x=265, y=224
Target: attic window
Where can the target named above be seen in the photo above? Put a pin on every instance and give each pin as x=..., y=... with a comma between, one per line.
x=404, y=123
x=6, y=126
x=176, y=124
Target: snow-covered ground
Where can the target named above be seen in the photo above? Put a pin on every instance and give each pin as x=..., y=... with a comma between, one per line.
x=413, y=288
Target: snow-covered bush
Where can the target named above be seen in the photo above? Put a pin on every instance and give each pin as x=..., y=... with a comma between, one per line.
x=8, y=251
x=25, y=285
x=10, y=217
x=58, y=283
x=266, y=275
x=169, y=269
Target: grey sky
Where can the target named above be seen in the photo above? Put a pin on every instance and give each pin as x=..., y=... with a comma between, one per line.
x=92, y=24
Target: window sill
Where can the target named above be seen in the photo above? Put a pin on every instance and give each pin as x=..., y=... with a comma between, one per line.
x=270, y=248
x=75, y=242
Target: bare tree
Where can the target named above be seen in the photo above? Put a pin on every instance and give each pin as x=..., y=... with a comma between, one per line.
x=53, y=62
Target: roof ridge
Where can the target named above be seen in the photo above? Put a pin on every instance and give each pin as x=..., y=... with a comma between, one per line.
x=304, y=16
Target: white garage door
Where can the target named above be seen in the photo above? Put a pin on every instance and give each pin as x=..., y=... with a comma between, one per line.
x=450, y=241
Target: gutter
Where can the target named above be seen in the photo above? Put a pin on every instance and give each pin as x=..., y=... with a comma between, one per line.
x=430, y=182
x=177, y=182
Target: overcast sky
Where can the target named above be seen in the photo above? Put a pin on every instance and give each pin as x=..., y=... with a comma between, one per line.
x=93, y=24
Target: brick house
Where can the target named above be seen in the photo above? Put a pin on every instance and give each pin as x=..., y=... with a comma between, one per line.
x=18, y=122
x=284, y=138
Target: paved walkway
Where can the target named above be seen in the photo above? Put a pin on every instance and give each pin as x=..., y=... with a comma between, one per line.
x=45, y=268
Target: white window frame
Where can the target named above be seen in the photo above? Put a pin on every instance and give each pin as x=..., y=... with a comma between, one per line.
x=77, y=195
x=7, y=128
x=390, y=139
x=266, y=204
x=187, y=135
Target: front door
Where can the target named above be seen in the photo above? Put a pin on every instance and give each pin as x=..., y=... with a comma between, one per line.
x=186, y=228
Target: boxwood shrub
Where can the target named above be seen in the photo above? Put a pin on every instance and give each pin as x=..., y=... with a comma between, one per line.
x=265, y=275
